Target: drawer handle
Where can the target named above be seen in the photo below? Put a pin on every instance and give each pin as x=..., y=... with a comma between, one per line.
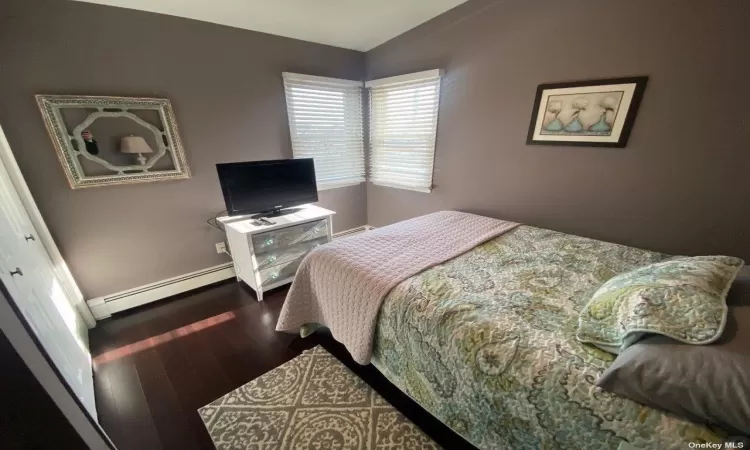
x=272, y=258
x=18, y=272
x=30, y=237
x=273, y=276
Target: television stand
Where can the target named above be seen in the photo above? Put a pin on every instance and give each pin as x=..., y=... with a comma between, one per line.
x=267, y=256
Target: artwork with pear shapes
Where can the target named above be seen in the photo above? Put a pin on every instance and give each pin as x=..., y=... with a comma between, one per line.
x=590, y=114
x=595, y=113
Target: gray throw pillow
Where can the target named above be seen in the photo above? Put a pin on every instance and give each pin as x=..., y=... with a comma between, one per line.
x=706, y=383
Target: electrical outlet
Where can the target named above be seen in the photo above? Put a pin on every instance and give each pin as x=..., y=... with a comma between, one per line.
x=221, y=247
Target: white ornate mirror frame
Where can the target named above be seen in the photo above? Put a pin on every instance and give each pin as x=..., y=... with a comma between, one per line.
x=167, y=139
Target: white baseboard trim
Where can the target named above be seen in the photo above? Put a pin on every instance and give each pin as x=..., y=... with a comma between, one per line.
x=103, y=307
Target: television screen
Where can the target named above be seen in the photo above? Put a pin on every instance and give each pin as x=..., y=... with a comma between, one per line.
x=266, y=186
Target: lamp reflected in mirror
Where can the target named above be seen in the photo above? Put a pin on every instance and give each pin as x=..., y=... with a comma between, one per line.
x=135, y=145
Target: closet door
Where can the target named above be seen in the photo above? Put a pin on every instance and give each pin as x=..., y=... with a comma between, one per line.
x=28, y=274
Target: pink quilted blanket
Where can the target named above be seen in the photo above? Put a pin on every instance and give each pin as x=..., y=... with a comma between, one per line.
x=342, y=284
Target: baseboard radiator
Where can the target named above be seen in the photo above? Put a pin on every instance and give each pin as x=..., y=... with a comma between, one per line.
x=353, y=231
x=104, y=307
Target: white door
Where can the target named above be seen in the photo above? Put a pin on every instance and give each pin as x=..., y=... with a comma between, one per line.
x=28, y=273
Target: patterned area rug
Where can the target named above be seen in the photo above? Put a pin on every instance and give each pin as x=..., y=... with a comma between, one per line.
x=311, y=402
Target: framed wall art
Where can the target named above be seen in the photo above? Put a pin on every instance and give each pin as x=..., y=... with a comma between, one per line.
x=595, y=113
x=103, y=141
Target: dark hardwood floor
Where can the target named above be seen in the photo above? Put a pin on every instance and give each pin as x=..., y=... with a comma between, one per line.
x=156, y=365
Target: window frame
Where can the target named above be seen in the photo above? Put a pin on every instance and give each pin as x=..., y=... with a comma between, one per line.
x=359, y=173
x=372, y=86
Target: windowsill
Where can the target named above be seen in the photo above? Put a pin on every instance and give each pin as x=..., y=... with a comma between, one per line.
x=339, y=185
x=406, y=188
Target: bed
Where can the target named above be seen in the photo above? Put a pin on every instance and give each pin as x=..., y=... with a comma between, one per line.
x=486, y=343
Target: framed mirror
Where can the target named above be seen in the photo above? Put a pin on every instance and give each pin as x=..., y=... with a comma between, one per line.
x=114, y=140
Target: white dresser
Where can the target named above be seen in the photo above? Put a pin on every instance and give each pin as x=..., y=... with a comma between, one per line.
x=267, y=256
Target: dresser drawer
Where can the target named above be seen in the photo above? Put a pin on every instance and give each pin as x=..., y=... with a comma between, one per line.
x=285, y=255
x=279, y=272
x=286, y=237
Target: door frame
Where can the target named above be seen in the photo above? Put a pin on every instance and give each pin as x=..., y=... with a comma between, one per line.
x=72, y=292
x=19, y=333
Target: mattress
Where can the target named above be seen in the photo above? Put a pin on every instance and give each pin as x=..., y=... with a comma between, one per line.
x=486, y=343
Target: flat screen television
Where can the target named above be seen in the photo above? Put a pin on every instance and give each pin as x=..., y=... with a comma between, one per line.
x=267, y=186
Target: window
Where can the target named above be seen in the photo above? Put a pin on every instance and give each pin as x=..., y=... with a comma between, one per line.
x=325, y=123
x=403, y=125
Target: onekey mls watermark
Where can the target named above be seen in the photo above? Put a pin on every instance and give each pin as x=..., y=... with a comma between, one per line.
x=728, y=444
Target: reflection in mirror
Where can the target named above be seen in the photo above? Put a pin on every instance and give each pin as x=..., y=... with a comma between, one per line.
x=114, y=140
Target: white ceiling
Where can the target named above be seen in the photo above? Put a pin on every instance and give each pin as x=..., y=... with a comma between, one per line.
x=355, y=24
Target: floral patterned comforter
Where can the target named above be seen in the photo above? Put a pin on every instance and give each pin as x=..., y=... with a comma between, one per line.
x=486, y=343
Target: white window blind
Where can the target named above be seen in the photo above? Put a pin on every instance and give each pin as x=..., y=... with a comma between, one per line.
x=403, y=126
x=325, y=123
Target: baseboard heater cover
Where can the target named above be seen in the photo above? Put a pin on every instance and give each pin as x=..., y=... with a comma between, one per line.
x=353, y=231
x=103, y=307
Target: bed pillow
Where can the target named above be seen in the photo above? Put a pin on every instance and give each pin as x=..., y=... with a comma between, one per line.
x=683, y=298
x=707, y=384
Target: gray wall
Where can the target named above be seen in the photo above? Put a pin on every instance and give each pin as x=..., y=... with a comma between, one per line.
x=682, y=184
x=226, y=89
